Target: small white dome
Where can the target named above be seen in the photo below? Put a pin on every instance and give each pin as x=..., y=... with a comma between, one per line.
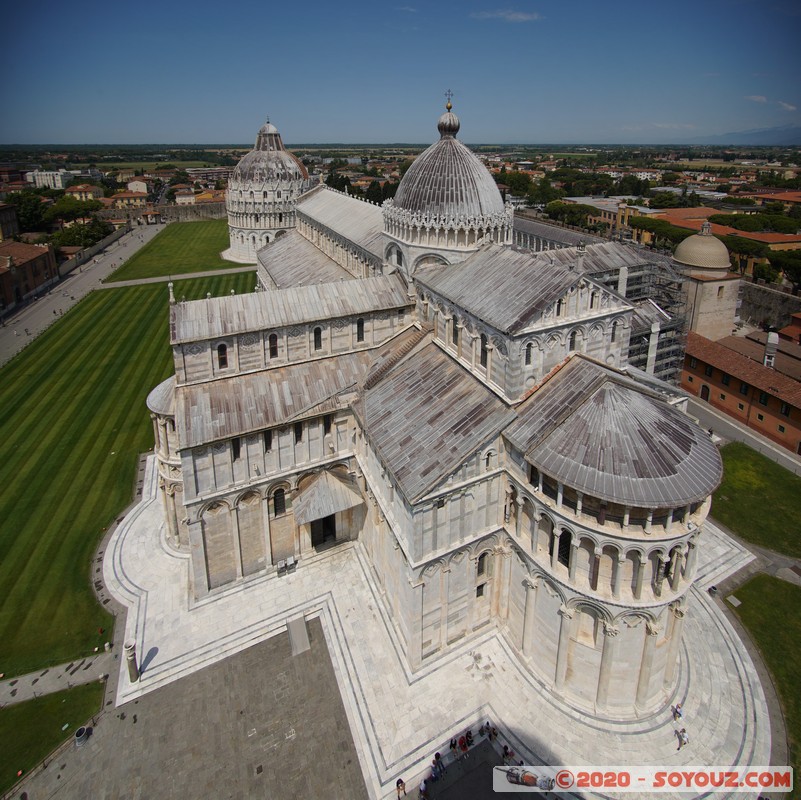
x=703, y=251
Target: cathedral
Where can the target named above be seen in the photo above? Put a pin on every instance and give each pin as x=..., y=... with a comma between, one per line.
x=407, y=379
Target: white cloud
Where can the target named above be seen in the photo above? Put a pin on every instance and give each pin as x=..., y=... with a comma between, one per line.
x=507, y=15
x=786, y=106
x=757, y=98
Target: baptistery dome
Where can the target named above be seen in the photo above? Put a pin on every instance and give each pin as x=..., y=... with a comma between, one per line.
x=447, y=203
x=268, y=161
x=261, y=195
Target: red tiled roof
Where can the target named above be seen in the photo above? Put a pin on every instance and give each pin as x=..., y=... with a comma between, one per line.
x=725, y=230
x=19, y=252
x=744, y=369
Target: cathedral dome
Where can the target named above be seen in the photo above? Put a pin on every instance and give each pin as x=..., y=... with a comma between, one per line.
x=268, y=162
x=703, y=251
x=448, y=180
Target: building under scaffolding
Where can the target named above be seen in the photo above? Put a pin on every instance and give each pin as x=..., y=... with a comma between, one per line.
x=646, y=279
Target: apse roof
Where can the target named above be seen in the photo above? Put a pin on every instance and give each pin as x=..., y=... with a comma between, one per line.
x=599, y=432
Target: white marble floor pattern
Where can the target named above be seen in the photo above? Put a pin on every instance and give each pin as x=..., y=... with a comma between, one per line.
x=398, y=718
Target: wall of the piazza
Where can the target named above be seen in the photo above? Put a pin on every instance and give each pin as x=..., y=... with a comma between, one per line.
x=253, y=351
x=356, y=260
x=514, y=364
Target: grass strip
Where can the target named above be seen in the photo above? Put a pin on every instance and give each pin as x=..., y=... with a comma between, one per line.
x=73, y=421
x=752, y=484
x=31, y=730
x=771, y=611
x=181, y=248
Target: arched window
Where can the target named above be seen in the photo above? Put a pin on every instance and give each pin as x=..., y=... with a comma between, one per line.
x=273, y=345
x=572, y=343
x=593, y=299
x=528, y=354
x=483, y=565
x=483, y=350
x=318, y=338
x=278, y=194
x=280, y=219
x=279, y=503
x=455, y=331
x=488, y=460
x=360, y=330
x=614, y=331
x=560, y=307
x=222, y=356
x=563, y=555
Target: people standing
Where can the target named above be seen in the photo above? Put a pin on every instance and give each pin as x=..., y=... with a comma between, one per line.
x=677, y=712
x=439, y=764
x=401, y=787
x=683, y=738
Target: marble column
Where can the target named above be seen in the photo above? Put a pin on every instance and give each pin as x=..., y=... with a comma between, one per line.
x=564, y=644
x=641, y=561
x=444, y=593
x=200, y=577
x=574, y=548
x=530, y=585
x=607, y=663
x=692, y=558
x=675, y=569
x=233, y=515
x=557, y=535
x=617, y=579
x=646, y=664
x=674, y=643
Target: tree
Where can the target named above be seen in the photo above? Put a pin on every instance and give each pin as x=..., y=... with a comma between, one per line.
x=542, y=193
x=82, y=235
x=374, y=193
x=666, y=200
x=30, y=211
x=68, y=209
x=789, y=262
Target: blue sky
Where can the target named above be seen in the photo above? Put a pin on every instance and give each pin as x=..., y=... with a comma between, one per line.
x=524, y=71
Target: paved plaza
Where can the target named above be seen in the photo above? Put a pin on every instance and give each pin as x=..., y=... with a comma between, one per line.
x=263, y=724
x=399, y=719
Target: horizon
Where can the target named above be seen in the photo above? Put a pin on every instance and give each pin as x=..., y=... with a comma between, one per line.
x=541, y=72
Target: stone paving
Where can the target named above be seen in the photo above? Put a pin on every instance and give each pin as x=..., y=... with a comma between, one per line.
x=262, y=724
x=398, y=718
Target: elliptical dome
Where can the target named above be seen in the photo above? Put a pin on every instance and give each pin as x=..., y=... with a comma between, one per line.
x=448, y=180
x=268, y=161
x=703, y=251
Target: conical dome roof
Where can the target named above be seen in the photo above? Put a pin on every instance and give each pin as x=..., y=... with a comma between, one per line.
x=448, y=180
x=703, y=251
x=268, y=162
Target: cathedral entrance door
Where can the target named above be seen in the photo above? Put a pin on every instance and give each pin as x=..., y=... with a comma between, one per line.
x=323, y=530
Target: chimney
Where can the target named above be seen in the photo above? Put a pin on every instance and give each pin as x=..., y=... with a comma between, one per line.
x=770, y=349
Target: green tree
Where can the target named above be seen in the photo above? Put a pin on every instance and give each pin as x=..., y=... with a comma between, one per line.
x=30, y=210
x=68, y=209
x=82, y=235
x=789, y=262
x=374, y=193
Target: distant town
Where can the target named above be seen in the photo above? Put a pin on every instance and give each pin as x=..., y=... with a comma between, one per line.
x=65, y=199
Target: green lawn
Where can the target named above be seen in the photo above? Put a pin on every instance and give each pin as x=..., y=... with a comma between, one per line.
x=759, y=500
x=72, y=421
x=181, y=248
x=30, y=731
x=771, y=610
